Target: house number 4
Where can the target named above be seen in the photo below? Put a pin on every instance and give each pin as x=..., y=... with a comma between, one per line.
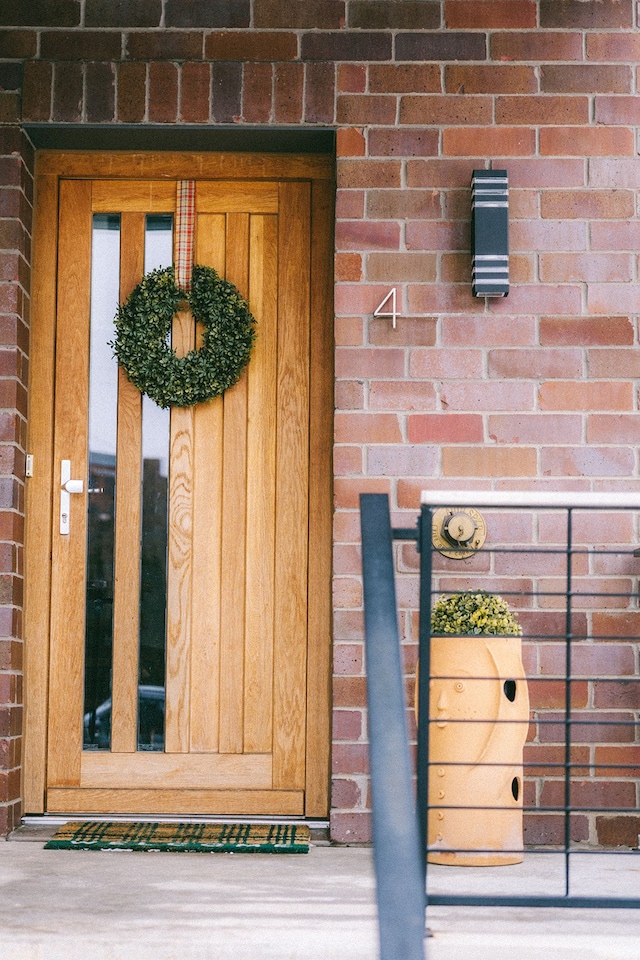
x=393, y=312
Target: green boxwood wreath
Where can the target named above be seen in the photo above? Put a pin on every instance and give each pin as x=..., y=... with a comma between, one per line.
x=143, y=325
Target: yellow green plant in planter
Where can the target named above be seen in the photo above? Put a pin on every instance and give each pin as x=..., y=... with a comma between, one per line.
x=479, y=715
x=474, y=614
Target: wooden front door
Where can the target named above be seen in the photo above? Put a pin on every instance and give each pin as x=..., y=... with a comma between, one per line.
x=187, y=599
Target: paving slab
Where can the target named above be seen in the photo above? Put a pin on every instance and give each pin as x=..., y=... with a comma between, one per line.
x=68, y=905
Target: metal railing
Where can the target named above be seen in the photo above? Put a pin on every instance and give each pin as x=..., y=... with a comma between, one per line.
x=568, y=622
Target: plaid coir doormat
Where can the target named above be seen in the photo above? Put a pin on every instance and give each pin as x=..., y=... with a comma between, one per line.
x=187, y=837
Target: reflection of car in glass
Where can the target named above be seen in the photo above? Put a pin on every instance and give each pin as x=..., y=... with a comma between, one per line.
x=97, y=723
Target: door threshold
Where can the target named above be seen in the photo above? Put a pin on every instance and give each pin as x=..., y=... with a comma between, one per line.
x=40, y=827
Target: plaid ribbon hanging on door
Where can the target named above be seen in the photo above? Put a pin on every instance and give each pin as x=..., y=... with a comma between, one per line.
x=185, y=228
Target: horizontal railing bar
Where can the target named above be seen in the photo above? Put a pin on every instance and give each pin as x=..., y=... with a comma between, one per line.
x=531, y=498
x=460, y=900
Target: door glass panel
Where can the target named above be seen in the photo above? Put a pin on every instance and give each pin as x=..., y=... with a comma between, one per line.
x=155, y=507
x=103, y=396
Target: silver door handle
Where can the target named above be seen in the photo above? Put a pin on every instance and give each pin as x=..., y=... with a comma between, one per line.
x=67, y=487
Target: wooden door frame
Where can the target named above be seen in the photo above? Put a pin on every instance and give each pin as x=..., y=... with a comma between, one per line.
x=51, y=167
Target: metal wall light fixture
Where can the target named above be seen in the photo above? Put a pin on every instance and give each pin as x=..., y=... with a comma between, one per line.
x=490, y=233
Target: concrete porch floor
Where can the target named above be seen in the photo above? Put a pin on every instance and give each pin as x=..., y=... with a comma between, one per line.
x=59, y=905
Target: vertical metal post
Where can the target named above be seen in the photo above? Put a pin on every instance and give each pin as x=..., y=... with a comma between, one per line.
x=567, y=727
x=399, y=875
x=424, y=653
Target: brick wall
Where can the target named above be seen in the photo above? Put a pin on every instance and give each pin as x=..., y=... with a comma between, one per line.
x=538, y=389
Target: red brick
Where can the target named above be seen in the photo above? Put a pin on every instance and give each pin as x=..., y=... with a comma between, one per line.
x=404, y=205
x=350, y=827
x=479, y=395
x=404, y=143
x=80, y=45
x=621, y=831
x=538, y=46
x=493, y=79
x=32, y=13
x=591, y=266
x=367, y=235
x=347, y=496
x=256, y=102
x=488, y=141
x=437, y=236
x=367, y=362
x=586, y=141
x=241, y=46
x=613, y=428
x=445, y=428
x=598, y=728
x=165, y=45
x=352, y=78
x=202, y=13
x=579, y=395
x=489, y=462
x=587, y=461
x=614, y=236
x=18, y=44
x=350, y=142
x=132, y=81
x=613, y=297
x=616, y=625
x=402, y=461
x=401, y=267
x=343, y=45
x=446, y=364
x=589, y=794
x=316, y=14
x=404, y=78
x=10, y=111
x=357, y=174
x=141, y=13
x=542, y=110
x=617, y=761
x=487, y=331
x=613, y=46
x=347, y=461
x=320, y=82
x=586, y=78
x=442, y=110
x=366, y=108
x=607, y=364
x=545, y=760
x=616, y=694
x=435, y=46
x=576, y=13
x=409, y=331
x=226, y=91
x=288, y=92
x=347, y=591
x=344, y=793
x=36, y=90
x=195, y=90
x=617, y=110
x=549, y=829
x=100, y=92
x=587, y=204
x=583, y=331
x=535, y=428
x=367, y=428
x=67, y=92
x=550, y=235
x=499, y=13
x=401, y=395
x=348, y=266
x=535, y=364
x=551, y=694
x=349, y=395
x=381, y=15
x=163, y=92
